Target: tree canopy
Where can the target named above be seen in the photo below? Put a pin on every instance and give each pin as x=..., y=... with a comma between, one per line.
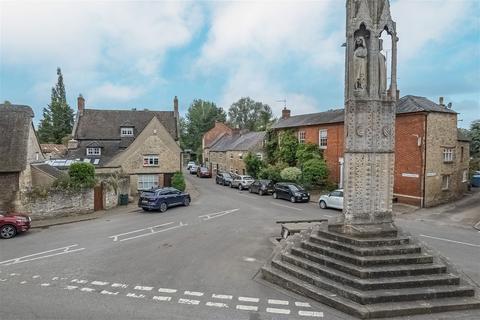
x=475, y=136
x=249, y=114
x=57, y=119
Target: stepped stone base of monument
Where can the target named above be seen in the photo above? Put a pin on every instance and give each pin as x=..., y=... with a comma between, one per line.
x=369, y=277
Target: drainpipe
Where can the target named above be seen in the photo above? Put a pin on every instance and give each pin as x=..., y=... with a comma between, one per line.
x=424, y=160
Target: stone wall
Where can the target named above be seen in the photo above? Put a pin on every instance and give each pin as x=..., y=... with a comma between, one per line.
x=8, y=190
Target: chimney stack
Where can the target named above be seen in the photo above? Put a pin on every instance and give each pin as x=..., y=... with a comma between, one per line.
x=285, y=113
x=80, y=104
x=440, y=101
x=175, y=106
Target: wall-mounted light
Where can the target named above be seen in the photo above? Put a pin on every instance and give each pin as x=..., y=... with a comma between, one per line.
x=419, y=139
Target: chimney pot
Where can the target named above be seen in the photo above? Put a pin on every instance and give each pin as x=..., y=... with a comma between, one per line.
x=440, y=101
x=285, y=113
x=175, y=105
x=80, y=104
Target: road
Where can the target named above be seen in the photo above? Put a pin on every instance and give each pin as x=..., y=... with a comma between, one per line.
x=196, y=262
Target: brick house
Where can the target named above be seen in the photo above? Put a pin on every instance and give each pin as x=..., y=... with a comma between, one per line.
x=140, y=143
x=21, y=163
x=227, y=151
x=212, y=136
x=431, y=159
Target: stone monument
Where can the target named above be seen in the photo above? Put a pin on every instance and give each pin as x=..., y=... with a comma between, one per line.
x=362, y=264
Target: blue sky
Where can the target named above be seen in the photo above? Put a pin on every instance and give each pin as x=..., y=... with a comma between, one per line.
x=141, y=54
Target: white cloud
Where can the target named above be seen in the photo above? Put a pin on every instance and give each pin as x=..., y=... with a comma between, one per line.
x=115, y=93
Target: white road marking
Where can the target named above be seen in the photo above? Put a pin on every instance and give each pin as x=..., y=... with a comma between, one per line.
x=280, y=311
x=137, y=296
x=110, y=293
x=248, y=308
x=217, y=214
x=71, y=287
x=119, y=285
x=303, y=304
x=162, y=298
x=248, y=299
x=167, y=290
x=3, y=280
x=248, y=259
x=36, y=276
x=282, y=205
x=45, y=284
x=188, y=301
x=151, y=232
x=193, y=293
x=143, y=288
x=14, y=274
x=448, y=240
x=79, y=281
x=23, y=282
x=55, y=278
x=99, y=283
x=41, y=255
x=87, y=289
x=216, y=304
x=310, y=314
x=273, y=301
x=222, y=296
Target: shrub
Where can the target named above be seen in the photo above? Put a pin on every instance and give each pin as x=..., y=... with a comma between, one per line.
x=272, y=172
x=315, y=173
x=291, y=174
x=287, y=151
x=307, y=152
x=82, y=175
x=178, y=181
x=253, y=165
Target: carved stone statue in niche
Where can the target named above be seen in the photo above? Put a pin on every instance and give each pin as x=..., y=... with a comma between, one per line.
x=360, y=63
x=382, y=70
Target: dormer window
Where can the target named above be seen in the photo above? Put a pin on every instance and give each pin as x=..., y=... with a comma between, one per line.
x=95, y=151
x=126, y=131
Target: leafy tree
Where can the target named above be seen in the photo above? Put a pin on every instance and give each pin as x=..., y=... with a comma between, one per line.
x=249, y=114
x=315, y=173
x=287, y=151
x=307, y=152
x=253, y=165
x=57, y=119
x=200, y=118
x=272, y=172
x=475, y=136
x=291, y=174
x=178, y=181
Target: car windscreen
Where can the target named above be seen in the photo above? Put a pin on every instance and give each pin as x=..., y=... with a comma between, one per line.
x=296, y=187
x=247, y=178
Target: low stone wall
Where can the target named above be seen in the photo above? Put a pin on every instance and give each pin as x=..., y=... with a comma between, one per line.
x=57, y=203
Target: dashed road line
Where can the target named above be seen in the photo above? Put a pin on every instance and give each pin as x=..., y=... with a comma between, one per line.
x=282, y=302
x=136, y=296
x=279, y=311
x=303, y=304
x=222, y=296
x=71, y=287
x=119, y=285
x=188, y=301
x=43, y=255
x=310, y=314
x=80, y=281
x=247, y=308
x=248, y=299
x=110, y=293
x=193, y=293
x=99, y=283
x=167, y=290
x=216, y=304
x=45, y=284
x=87, y=289
x=162, y=298
x=142, y=288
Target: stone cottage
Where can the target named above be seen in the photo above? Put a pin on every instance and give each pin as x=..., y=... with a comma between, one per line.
x=140, y=143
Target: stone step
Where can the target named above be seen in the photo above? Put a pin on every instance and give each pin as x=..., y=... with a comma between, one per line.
x=366, y=251
x=415, y=258
x=370, y=272
x=371, y=284
x=367, y=231
x=379, y=310
x=373, y=296
x=361, y=242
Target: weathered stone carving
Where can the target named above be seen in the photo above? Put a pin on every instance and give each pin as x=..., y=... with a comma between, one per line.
x=382, y=70
x=360, y=63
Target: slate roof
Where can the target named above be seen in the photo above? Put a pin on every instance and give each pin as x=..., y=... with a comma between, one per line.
x=109, y=149
x=239, y=142
x=105, y=124
x=57, y=149
x=15, y=122
x=461, y=136
x=48, y=169
x=407, y=104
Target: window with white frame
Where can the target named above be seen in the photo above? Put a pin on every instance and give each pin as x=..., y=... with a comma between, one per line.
x=446, y=182
x=240, y=156
x=322, y=138
x=465, y=176
x=301, y=136
x=126, y=132
x=448, y=154
x=150, y=160
x=94, y=151
x=147, y=181
x=260, y=155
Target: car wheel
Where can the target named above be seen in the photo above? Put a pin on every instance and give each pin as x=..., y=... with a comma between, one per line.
x=186, y=201
x=260, y=192
x=275, y=195
x=163, y=207
x=240, y=187
x=8, y=231
x=250, y=190
x=323, y=205
x=292, y=199
x=231, y=185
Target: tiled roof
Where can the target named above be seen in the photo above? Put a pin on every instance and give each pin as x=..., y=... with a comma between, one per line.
x=239, y=142
x=461, y=136
x=48, y=169
x=407, y=104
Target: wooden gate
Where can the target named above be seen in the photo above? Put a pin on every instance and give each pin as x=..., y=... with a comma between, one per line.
x=167, y=179
x=98, y=198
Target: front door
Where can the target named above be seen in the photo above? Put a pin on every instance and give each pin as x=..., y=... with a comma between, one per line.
x=167, y=179
x=98, y=198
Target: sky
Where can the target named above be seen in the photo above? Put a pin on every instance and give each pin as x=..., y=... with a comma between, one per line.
x=128, y=54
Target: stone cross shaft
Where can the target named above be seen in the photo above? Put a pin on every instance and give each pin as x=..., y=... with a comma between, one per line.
x=369, y=116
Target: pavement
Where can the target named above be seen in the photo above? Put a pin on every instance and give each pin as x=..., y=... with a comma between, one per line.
x=196, y=262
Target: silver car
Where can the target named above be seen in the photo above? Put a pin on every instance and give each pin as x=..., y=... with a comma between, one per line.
x=241, y=182
x=332, y=200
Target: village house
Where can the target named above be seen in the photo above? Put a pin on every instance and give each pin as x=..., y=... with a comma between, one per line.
x=210, y=137
x=140, y=143
x=431, y=157
x=53, y=151
x=21, y=160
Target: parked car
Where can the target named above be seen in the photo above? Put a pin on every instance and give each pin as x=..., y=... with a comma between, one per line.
x=189, y=164
x=223, y=178
x=162, y=199
x=290, y=191
x=241, y=182
x=12, y=224
x=203, y=172
x=332, y=200
x=193, y=169
x=262, y=187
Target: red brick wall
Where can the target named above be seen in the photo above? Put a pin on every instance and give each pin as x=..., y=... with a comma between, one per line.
x=213, y=133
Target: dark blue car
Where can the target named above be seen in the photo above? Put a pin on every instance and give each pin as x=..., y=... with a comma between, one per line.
x=162, y=198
